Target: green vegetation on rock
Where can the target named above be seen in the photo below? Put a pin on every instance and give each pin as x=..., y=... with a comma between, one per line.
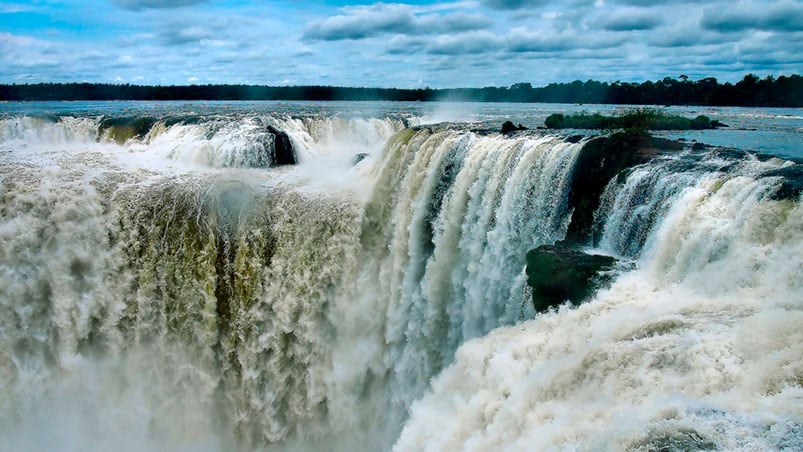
x=639, y=119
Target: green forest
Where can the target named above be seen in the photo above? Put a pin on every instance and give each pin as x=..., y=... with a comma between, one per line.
x=752, y=91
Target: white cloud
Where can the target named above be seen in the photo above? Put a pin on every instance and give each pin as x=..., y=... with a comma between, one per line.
x=630, y=19
x=10, y=8
x=779, y=16
x=359, y=22
x=139, y=5
x=460, y=43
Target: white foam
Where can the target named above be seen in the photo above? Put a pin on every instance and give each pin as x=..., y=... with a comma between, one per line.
x=701, y=344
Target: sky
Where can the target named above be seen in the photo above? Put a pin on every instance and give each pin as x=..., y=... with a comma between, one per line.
x=410, y=44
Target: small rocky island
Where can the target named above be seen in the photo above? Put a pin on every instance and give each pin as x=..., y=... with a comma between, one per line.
x=639, y=119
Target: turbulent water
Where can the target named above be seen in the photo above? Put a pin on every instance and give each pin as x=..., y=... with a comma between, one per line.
x=165, y=286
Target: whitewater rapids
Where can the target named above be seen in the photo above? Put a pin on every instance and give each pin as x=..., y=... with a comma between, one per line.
x=161, y=288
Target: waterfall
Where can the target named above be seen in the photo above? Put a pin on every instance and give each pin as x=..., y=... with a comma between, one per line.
x=161, y=287
x=452, y=217
x=700, y=341
x=216, y=141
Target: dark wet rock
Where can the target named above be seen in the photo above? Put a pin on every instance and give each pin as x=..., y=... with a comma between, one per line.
x=599, y=161
x=791, y=184
x=281, y=152
x=665, y=145
x=122, y=129
x=358, y=158
x=182, y=119
x=698, y=146
x=509, y=127
x=730, y=153
x=681, y=440
x=574, y=138
x=559, y=273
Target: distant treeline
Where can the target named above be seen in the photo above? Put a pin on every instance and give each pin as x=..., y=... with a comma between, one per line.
x=784, y=91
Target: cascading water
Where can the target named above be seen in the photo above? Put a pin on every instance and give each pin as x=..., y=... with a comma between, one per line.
x=698, y=348
x=452, y=217
x=159, y=288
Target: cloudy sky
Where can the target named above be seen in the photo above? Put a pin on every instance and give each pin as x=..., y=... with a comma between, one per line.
x=413, y=43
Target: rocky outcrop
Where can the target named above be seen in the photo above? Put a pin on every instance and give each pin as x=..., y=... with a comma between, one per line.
x=599, y=161
x=282, y=152
x=639, y=119
x=122, y=129
x=358, y=158
x=791, y=182
x=683, y=439
x=559, y=273
x=508, y=127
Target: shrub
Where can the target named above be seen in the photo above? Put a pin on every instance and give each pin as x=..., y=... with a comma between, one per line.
x=638, y=120
x=554, y=121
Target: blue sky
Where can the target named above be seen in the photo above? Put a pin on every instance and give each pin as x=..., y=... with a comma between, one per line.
x=414, y=43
